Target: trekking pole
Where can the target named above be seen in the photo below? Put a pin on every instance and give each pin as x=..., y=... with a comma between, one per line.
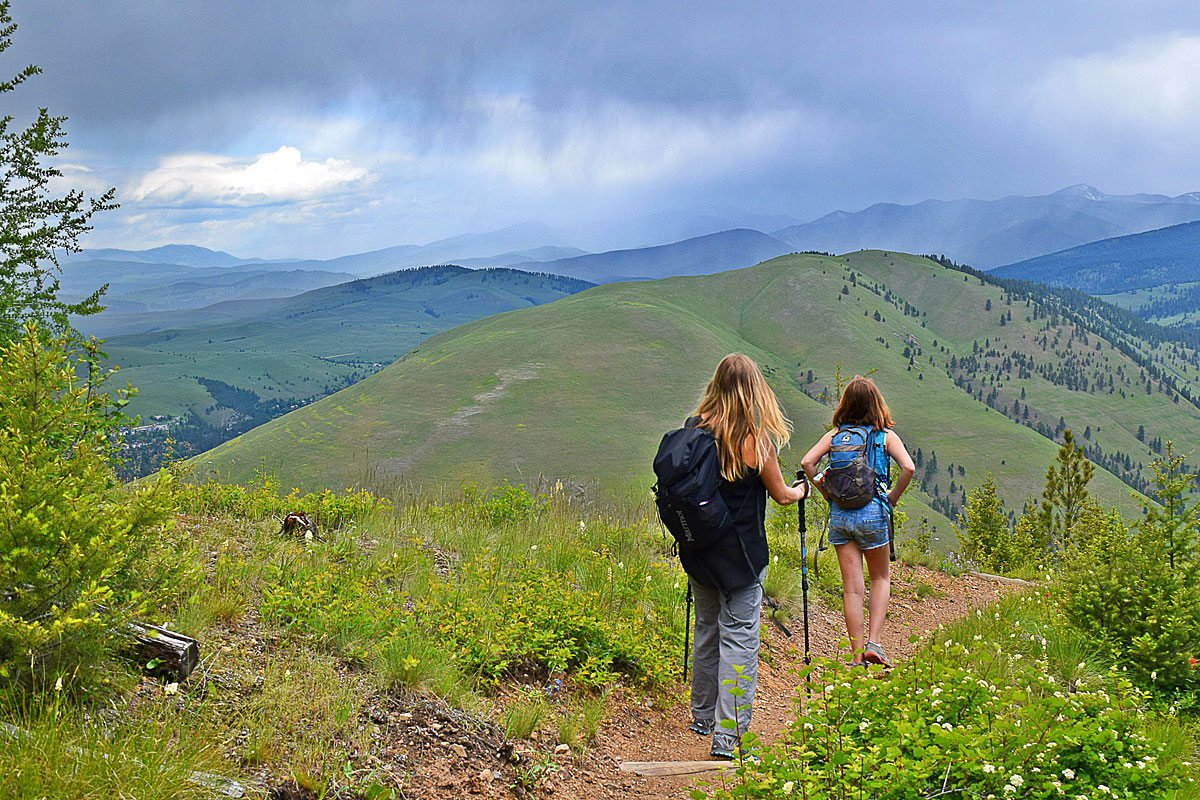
x=687, y=630
x=803, y=526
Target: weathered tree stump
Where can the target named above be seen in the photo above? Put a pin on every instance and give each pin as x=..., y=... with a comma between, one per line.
x=298, y=523
x=176, y=655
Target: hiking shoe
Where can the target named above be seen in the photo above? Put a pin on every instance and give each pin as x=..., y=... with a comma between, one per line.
x=702, y=728
x=874, y=654
x=721, y=754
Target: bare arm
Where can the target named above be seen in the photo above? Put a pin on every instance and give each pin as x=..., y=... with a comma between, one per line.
x=813, y=457
x=895, y=449
x=772, y=478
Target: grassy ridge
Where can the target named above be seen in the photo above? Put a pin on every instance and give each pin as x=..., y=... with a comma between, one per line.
x=582, y=389
x=312, y=344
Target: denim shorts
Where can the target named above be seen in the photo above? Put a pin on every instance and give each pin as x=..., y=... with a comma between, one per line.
x=866, y=526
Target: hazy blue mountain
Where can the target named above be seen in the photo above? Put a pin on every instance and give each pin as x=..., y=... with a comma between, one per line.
x=455, y=250
x=701, y=255
x=534, y=256
x=1138, y=261
x=188, y=255
x=665, y=227
x=987, y=233
x=524, y=236
x=142, y=286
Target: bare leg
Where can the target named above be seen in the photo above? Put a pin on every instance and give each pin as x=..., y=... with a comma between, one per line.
x=879, y=566
x=850, y=561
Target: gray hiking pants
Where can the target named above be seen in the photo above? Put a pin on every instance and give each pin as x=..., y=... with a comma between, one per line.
x=726, y=634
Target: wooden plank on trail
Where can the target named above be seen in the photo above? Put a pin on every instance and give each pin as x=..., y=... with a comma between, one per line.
x=1002, y=579
x=654, y=769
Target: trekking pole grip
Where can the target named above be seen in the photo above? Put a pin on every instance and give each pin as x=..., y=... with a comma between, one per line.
x=803, y=479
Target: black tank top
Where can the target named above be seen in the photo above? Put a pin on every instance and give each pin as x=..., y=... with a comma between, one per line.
x=734, y=562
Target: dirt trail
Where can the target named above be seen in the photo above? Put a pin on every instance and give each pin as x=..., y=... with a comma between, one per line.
x=432, y=750
x=641, y=734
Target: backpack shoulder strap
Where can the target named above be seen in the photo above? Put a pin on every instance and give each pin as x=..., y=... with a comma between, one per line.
x=879, y=440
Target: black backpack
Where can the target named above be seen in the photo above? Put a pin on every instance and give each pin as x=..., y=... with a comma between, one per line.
x=688, y=496
x=852, y=478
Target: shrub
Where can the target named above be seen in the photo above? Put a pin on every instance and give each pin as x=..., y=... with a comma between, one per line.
x=946, y=724
x=480, y=620
x=78, y=554
x=502, y=504
x=1140, y=595
x=986, y=539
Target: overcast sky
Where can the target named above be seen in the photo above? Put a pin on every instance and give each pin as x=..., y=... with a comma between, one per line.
x=298, y=128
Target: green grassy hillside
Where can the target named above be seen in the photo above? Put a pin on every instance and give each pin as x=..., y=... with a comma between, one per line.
x=582, y=389
x=296, y=348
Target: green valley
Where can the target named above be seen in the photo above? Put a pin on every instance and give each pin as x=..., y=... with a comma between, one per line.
x=981, y=378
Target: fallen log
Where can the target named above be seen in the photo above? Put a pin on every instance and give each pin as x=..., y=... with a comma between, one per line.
x=168, y=652
x=654, y=769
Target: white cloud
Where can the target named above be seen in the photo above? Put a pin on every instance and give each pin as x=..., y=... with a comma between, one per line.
x=1145, y=94
x=205, y=179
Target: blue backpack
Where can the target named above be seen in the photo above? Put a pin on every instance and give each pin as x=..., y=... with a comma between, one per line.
x=854, y=474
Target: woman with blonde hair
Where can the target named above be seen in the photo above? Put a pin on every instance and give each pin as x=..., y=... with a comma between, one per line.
x=741, y=412
x=862, y=532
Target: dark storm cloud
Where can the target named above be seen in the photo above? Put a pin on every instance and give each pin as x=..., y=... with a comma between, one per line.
x=128, y=65
x=800, y=107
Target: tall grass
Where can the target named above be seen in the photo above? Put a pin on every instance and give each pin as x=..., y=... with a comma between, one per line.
x=53, y=750
x=451, y=596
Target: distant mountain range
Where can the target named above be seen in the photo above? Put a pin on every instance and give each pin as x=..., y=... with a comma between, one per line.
x=1138, y=261
x=1155, y=274
x=702, y=255
x=982, y=233
x=137, y=286
x=988, y=233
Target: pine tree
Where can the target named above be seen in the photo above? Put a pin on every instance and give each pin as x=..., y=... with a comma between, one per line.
x=985, y=539
x=1174, y=522
x=1065, y=495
